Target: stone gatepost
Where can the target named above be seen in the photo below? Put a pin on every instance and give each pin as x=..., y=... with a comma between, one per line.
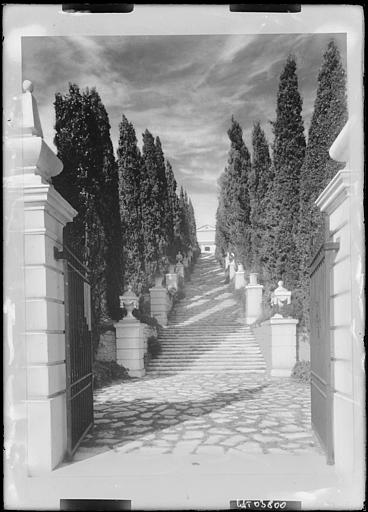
x=283, y=345
x=159, y=302
x=283, y=335
x=239, y=281
x=232, y=270
x=253, y=299
x=130, y=337
x=180, y=269
x=171, y=281
x=45, y=214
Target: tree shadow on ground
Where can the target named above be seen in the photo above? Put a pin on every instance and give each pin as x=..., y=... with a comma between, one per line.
x=125, y=421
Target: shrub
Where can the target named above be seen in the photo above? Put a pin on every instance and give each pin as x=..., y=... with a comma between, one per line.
x=153, y=347
x=105, y=372
x=301, y=371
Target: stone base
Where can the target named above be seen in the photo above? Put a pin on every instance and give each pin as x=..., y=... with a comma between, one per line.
x=130, y=346
x=283, y=345
x=239, y=281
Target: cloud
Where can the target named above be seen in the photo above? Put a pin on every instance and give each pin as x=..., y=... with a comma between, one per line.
x=182, y=88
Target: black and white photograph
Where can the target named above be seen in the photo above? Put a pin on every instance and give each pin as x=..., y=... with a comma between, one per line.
x=183, y=244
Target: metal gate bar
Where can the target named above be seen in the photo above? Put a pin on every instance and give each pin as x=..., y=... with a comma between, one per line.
x=322, y=378
x=78, y=349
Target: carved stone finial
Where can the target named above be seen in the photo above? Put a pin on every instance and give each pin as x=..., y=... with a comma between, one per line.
x=27, y=86
x=280, y=297
x=129, y=301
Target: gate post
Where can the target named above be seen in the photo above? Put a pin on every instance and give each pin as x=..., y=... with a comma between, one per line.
x=253, y=299
x=45, y=215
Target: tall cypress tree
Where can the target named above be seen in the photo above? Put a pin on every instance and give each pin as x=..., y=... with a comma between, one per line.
x=259, y=182
x=154, y=204
x=329, y=117
x=288, y=156
x=235, y=196
x=192, y=227
x=107, y=204
x=89, y=183
x=184, y=225
x=173, y=227
x=130, y=166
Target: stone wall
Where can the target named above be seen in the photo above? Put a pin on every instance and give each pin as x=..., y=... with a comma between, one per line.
x=107, y=346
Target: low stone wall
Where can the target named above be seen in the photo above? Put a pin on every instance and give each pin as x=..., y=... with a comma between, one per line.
x=148, y=331
x=107, y=346
x=303, y=350
x=262, y=333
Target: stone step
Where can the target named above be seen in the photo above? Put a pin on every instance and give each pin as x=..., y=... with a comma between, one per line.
x=246, y=356
x=222, y=366
x=199, y=341
x=207, y=334
x=159, y=373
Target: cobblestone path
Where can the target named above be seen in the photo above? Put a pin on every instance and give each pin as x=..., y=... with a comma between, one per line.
x=207, y=415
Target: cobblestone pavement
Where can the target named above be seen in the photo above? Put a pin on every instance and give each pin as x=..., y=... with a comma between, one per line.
x=210, y=414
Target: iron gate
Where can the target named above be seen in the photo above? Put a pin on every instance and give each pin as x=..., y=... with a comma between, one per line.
x=78, y=349
x=321, y=347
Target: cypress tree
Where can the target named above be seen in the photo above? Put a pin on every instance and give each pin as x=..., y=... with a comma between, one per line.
x=259, y=182
x=89, y=183
x=235, y=196
x=154, y=204
x=329, y=117
x=184, y=224
x=192, y=228
x=288, y=155
x=173, y=226
x=130, y=165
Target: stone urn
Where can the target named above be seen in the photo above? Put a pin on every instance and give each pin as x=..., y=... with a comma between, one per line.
x=240, y=267
x=129, y=301
x=158, y=281
x=171, y=269
x=253, y=278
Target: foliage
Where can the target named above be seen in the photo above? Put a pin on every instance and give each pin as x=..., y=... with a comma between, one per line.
x=329, y=117
x=130, y=166
x=279, y=254
x=89, y=182
x=302, y=371
x=105, y=372
x=233, y=215
x=153, y=347
x=154, y=201
x=260, y=180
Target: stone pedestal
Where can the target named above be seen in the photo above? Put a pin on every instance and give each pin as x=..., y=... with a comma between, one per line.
x=159, y=304
x=130, y=346
x=45, y=214
x=180, y=270
x=231, y=270
x=283, y=345
x=239, y=281
x=172, y=281
x=253, y=302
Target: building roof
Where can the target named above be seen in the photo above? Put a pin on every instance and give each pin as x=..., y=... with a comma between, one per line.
x=206, y=227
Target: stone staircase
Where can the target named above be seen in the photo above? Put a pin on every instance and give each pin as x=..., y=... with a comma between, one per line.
x=206, y=331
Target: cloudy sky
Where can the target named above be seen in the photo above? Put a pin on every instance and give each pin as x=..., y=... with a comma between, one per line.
x=182, y=88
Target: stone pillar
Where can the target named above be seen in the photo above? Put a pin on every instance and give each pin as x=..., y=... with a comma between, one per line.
x=226, y=261
x=130, y=346
x=239, y=282
x=172, y=281
x=180, y=270
x=130, y=339
x=253, y=299
x=231, y=270
x=45, y=215
x=159, y=303
x=283, y=345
